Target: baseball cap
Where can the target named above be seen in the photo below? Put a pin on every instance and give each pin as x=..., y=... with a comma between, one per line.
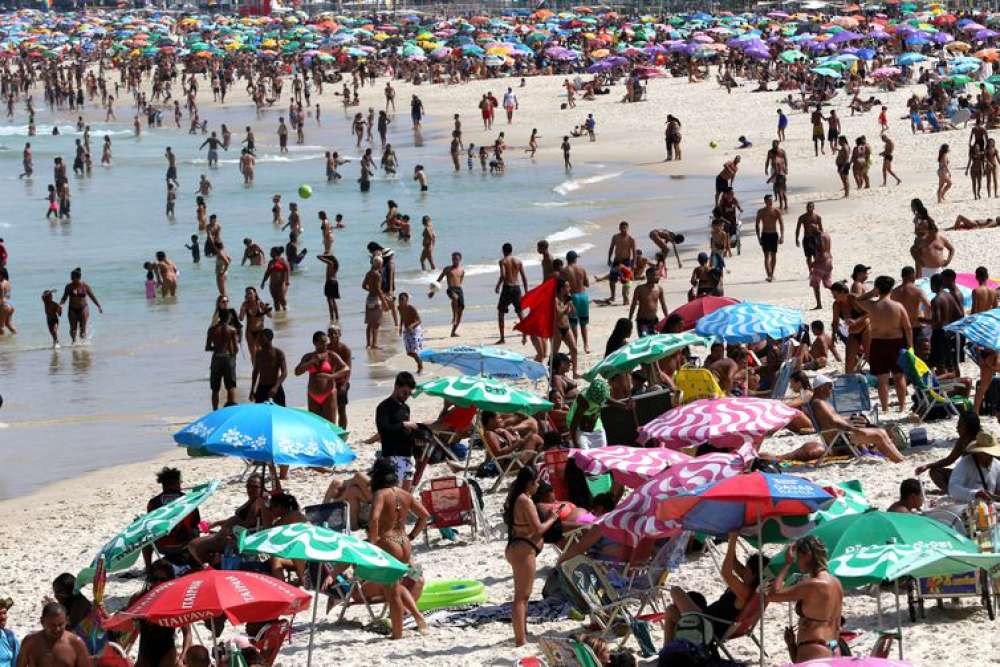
x=820, y=380
x=858, y=268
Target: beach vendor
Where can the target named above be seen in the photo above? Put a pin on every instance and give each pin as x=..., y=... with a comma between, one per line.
x=584, y=418
x=977, y=474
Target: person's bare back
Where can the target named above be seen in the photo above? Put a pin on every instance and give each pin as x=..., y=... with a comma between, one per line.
x=510, y=270
x=984, y=298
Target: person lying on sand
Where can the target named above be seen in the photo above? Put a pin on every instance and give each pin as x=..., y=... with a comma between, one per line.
x=963, y=223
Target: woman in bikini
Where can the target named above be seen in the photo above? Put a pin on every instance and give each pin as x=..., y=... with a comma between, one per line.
x=391, y=506
x=222, y=263
x=943, y=173
x=77, y=292
x=201, y=213
x=564, y=309
x=524, y=543
x=818, y=601
x=325, y=368
x=253, y=311
x=277, y=273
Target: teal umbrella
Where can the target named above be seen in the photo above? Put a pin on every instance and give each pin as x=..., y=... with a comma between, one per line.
x=645, y=350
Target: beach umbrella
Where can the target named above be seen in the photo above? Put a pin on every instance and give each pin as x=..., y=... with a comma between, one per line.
x=911, y=58
x=487, y=361
x=886, y=72
x=122, y=551
x=631, y=466
x=241, y=597
x=964, y=291
x=848, y=499
x=750, y=322
x=980, y=329
x=634, y=519
x=267, y=433
x=826, y=71
x=730, y=504
x=692, y=311
x=485, y=394
x=644, y=350
x=304, y=541
x=723, y=422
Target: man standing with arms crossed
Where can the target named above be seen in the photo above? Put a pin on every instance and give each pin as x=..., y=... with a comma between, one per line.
x=770, y=228
x=890, y=334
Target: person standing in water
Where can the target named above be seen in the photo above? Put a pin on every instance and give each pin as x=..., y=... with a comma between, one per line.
x=454, y=274
x=52, y=313
x=77, y=292
x=428, y=239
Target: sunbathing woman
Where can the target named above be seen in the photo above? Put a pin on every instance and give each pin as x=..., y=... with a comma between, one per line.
x=741, y=586
x=963, y=223
x=524, y=542
x=391, y=506
x=818, y=601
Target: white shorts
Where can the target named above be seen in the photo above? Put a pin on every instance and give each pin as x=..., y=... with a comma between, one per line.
x=927, y=272
x=591, y=439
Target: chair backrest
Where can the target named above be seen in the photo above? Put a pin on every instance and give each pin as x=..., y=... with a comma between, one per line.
x=782, y=378
x=270, y=639
x=620, y=427
x=447, y=501
x=908, y=362
x=335, y=515
x=587, y=579
x=567, y=652
x=747, y=619
x=458, y=419
x=554, y=470
x=651, y=405
x=850, y=394
x=697, y=383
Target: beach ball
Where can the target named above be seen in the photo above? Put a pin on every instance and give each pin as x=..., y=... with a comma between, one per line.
x=713, y=144
x=305, y=191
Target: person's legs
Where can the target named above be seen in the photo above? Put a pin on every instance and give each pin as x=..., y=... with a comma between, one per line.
x=900, y=380
x=522, y=561
x=396, y=611
x=682, y=604
x=883, y=391
x=880, y=440
x=410, y=605
x=941, y=477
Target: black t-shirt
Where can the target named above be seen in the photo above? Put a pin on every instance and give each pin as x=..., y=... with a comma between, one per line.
x=389, y=417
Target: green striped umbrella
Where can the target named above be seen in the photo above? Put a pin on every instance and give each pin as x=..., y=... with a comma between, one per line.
x=484, y=394
x=888, y=562
x=645, y=350
x=122, y=551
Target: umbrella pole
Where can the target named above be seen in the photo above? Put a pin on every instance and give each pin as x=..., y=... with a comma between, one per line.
x=760, y=582
x=312, y=627
x=899, y=619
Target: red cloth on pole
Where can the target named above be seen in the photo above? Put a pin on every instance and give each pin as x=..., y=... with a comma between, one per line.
x=541, y=304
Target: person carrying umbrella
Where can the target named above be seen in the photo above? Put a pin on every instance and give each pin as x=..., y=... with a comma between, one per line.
x=818, y=601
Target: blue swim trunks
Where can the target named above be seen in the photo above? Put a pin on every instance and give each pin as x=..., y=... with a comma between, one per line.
x=581, y=306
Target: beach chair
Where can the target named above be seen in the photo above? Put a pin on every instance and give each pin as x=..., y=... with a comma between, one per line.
x=508, y=464
x=851, y=396
x=928, y=393
x=607, y=608
x=695, y=383
x=621, y=425
x=835, y=436
x=270, y=639
x=782, y=378
x=451, y=503
x=696, y=627
x=554, y=471
x=567, y=652
x=334, y=515
x=647, y=582
x=437, y=441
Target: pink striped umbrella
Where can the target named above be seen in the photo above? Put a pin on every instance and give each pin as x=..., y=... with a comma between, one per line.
x=635, y=517
x=724, y=422
x=631, y=466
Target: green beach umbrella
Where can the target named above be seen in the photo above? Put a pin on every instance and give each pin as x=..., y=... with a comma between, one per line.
x=485, y=394
x=888, y=562
x=957, y=81
x=122, y=551
x=645, y=350
x=826, y=71
x=846, y=534
x=304, y=541
x=792, y=55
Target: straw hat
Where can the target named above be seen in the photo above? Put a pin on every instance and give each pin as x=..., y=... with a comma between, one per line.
x=986, y=443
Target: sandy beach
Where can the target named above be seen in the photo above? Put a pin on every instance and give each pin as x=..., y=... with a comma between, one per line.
x=61, y=527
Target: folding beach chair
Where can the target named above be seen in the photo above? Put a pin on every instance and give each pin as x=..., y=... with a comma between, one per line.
x=270, y=639
x=452, y=503
x=695, y=383
x=782, y=378
x=647, y=582
x=508, y=464
x=928, y=393
x=554, y=471
x=696, y=627
x=829, y=438
x=851, y=397
x=334, y=515
x=437, y=441
x=567, y=652
x=621, y=424
x=608, y=609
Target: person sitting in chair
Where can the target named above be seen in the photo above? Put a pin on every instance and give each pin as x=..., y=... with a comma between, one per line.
x=977, y=474
x=828, y=420
x=501, y=442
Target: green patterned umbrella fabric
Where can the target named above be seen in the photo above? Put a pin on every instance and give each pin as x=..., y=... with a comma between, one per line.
x=484, y=394
x=122, y=551
x=888, y=562
x=645, y=350
x=303, y=541
x=848, y=499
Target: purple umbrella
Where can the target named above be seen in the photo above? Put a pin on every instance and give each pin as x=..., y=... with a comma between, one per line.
x=983, y=34
x=845, y=36
x=944, y=38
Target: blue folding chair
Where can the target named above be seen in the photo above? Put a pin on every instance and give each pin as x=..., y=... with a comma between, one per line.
x=851, y=397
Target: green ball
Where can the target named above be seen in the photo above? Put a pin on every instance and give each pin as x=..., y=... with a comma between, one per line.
x=305, y=191
x=713, y=144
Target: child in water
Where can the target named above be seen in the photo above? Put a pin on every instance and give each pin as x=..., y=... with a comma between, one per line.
x=150, y=281
x=194, y=248
x=53, y=203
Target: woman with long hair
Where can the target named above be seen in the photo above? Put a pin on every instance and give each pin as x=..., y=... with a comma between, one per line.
x=253, y=311
x=325, y=368
x=391, y=506
x=818, y=601
x=943, y=173
x=524, y=543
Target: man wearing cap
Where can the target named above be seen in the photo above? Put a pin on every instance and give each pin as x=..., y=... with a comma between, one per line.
x=890, y=334
x=977, y=474
x=827, y=419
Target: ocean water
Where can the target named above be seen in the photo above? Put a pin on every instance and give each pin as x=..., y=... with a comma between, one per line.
x=144, y=371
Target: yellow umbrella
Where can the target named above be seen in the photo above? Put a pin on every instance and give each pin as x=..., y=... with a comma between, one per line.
x=269, y=44
x=958, y=46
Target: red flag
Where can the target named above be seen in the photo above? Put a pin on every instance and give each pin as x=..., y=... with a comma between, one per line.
x=541, y=304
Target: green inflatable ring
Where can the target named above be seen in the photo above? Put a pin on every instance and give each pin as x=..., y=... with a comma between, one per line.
x=451, y=593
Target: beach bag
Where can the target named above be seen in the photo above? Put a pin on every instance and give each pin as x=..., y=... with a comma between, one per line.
x=487, y=469
x=898, y=436
x=695, y=629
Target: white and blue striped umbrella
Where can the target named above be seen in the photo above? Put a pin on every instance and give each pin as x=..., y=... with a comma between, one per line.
x=486, y=361
x=750, y=322
x=982, y=328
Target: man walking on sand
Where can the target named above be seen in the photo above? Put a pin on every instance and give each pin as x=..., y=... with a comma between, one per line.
x=891, y=333
x=770, y=228
x=509, y=285
x=646, y=301
x=621, y=252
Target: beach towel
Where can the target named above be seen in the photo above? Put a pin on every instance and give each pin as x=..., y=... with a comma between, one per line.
x=539, y=611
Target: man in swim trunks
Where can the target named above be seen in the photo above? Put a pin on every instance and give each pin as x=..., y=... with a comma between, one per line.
x=821, y=271
x=508, y=287
x=578, y=284
x=621, y=253
x=817, y=130
x=454, y=275
x=223, y=342
x=770, y=228
x=396, y=430
x=647, y=299
x=410, y=330
x=913, y=301
x=811, y=225
x=890, y=334
x=726, y=177
x=269, y=371
x=336, y=345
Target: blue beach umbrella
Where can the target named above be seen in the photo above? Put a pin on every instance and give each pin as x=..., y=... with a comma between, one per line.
x=750, y=322
x=268, y=433
x=982, y=328
x=486, y=361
